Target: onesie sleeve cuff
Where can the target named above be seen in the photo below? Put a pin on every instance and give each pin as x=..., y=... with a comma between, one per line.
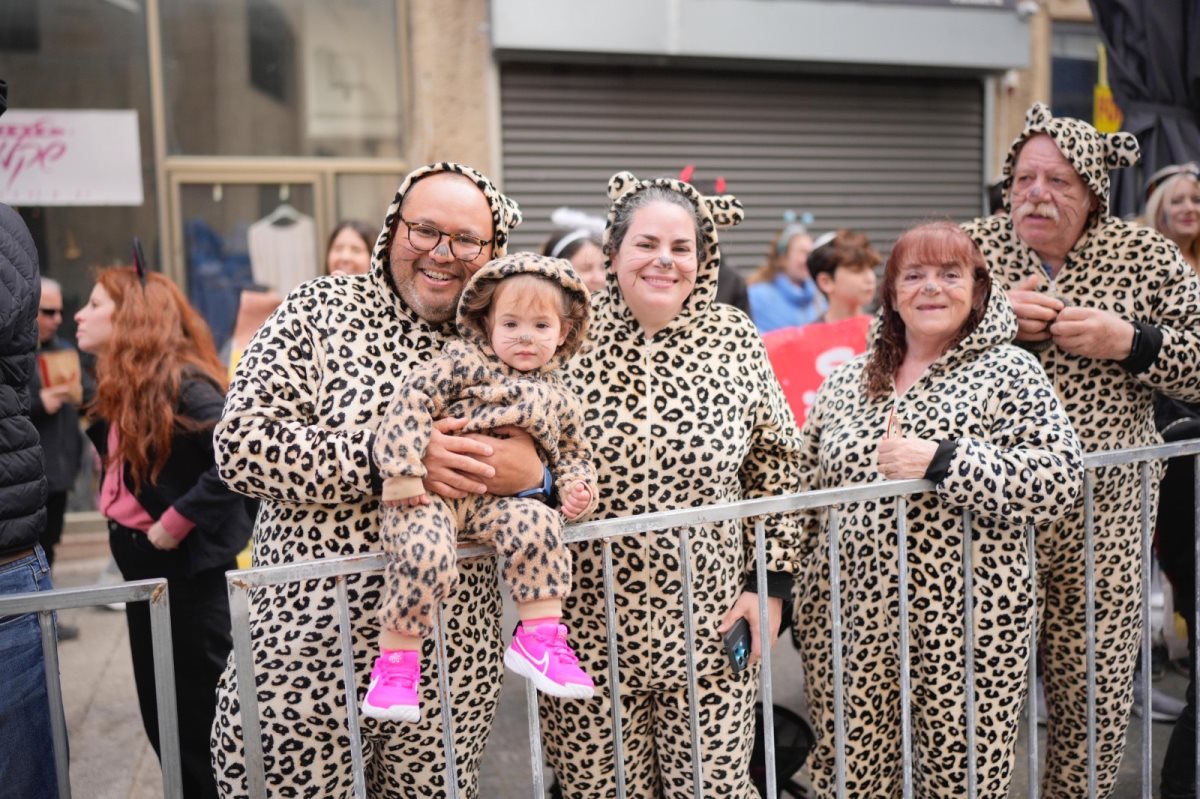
x=1147, y=341
x=939, y=467
x=402, y=488
x=176, y=524
x=779, y=584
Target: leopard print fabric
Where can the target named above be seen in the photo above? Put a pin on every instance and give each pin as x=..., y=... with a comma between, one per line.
x=468, y=380
x=1138, y=275
x=1016, y=461
x=692, y=416
x=297, y=433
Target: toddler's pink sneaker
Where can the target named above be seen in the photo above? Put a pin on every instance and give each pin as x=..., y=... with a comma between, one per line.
x=393, y=693
x=542, y=654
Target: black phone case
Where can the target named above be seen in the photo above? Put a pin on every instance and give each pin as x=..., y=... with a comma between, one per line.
x=737, y=645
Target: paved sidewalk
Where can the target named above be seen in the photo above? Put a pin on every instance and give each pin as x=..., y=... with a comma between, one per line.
x=110, y=758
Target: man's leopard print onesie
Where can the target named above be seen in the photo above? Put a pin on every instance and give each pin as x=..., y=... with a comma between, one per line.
x=297, y=433
x=1141, y=277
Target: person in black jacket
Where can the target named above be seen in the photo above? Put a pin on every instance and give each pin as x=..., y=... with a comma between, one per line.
x=26, y=754
x=159, y=392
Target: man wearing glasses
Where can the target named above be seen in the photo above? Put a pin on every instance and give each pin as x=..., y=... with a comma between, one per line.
x=297, y=433
x=55, y=414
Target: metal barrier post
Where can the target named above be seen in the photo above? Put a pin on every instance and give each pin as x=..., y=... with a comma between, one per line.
x=969, y=651
x=164, y=683
x=356, y=758
x=905, y=656
x=614, y=676
x=1031, y=700
x=535, y=740
x=765, y=634
x=1144, y=474
x=58, y=719
x=685, y=568
x=1196, y=600
x=447, y=708
x=243, y=658
x=1089, y=559
x=839, y=701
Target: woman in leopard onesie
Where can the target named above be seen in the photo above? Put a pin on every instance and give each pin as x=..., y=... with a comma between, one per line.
x=683, y=410
x=939, y=395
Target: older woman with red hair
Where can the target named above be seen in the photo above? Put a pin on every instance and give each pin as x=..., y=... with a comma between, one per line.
x=160, y=390
x=942, y=395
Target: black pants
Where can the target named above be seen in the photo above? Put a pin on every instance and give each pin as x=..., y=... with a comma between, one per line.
x=200, y=638
x=1176, y=537
x=56, y=509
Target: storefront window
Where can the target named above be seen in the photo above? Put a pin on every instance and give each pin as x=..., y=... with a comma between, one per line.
x=81, y=55
x=243, y=236
x=282, y=78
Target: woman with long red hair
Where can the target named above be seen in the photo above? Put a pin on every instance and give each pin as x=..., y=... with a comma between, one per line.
x=940, y=394
x=160, y=391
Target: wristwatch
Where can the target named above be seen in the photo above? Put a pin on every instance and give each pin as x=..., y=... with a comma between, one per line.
x=544, y=492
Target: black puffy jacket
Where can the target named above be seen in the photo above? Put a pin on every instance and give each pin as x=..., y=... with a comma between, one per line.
x=22, y=476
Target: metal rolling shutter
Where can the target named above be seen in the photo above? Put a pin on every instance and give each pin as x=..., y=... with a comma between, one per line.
x=875, y=154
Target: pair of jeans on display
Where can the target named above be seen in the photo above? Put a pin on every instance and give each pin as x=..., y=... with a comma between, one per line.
x=26, y=744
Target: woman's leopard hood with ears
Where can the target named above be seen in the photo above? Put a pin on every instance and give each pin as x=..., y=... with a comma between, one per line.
x=1092, y=153
x=506, y=215
x=718, y=211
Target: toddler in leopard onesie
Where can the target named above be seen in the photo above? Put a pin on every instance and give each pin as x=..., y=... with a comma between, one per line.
x=520, y=318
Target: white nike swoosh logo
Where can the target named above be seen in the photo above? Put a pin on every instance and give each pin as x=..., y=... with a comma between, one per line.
x=542, y=663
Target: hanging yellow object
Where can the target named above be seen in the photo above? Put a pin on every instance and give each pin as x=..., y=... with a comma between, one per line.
x=1106, y=116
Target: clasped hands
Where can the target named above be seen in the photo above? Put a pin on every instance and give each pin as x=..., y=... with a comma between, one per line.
x=1087, y=332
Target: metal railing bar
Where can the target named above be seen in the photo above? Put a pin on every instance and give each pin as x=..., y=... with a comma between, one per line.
x=58, y=723
x=344, y=639
x=765, y=633
x=614, y=675
x=66, y=598
x=1120, y=457
x=689, y=636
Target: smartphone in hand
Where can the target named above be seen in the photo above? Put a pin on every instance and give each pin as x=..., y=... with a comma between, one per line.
x=737, y=645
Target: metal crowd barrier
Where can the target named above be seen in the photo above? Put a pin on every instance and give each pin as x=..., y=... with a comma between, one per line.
x=241, y=583
x=44, y=603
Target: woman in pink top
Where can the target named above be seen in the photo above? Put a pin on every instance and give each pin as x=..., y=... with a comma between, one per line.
x=160, y=391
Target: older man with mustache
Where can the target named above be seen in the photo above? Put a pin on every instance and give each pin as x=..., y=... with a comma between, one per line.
x=1110, y=307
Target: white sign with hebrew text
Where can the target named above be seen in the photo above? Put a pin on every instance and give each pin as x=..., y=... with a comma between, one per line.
x=56, y=157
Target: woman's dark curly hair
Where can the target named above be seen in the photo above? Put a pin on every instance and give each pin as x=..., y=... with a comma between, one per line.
x=930, y=243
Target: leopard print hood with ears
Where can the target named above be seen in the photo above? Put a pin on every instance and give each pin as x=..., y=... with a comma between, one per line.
x=1092, y=153
x=719, y=211
x=558, y=270
x=506, y=215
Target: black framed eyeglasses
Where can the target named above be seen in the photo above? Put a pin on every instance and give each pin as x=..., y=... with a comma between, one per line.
x=50, y=311
x=423, y=238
